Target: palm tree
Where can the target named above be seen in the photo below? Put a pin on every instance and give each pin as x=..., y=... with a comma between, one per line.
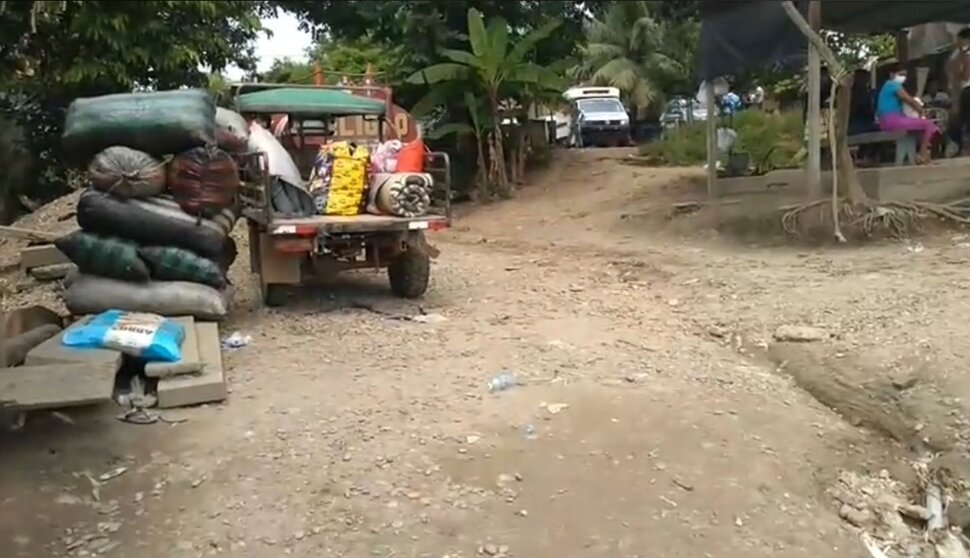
x=493, y=64
x=628, y=49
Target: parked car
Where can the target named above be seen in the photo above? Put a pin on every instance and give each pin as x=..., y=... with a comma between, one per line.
x=682, y=110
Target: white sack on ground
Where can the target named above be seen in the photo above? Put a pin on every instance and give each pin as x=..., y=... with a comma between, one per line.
x=401, y=194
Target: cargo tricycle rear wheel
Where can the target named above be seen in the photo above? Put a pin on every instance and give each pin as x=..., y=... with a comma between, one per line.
x=273, y=295
x=409, y=273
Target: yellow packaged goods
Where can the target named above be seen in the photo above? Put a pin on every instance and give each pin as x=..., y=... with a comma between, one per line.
x=348, y=179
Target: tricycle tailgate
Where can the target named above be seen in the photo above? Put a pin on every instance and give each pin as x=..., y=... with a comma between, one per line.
x=364, y=223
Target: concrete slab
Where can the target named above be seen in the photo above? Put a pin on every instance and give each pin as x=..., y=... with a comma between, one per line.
x=190, y=361
x=39, y=256
x=57, y=385
x=205, y=387
x=53, y=351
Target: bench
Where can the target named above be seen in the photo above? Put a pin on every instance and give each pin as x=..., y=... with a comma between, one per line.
x=905, y=142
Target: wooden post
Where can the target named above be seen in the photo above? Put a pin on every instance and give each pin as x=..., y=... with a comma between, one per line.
x=711, y=105
x=813, y=170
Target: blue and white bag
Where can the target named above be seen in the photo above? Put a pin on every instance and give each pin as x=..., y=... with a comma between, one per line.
x=149, y=336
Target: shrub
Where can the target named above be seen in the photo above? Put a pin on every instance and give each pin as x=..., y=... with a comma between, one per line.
x=771, y=140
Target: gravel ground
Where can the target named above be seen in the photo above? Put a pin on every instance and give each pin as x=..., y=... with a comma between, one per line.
x=645, y=420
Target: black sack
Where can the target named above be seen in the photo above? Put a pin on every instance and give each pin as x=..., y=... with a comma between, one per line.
x=156, y=221
x=103, y=256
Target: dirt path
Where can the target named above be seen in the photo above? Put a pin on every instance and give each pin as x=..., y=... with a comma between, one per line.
x=646, y=423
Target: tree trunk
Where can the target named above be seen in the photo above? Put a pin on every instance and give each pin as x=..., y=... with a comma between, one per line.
x=848, y=179
x=484, y=191
x=500, y=180
x=523, y=157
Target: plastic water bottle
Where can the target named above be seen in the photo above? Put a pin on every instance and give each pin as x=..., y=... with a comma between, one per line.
x=501, y=382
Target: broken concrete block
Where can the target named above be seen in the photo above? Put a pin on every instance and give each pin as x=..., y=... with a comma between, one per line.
x=190, y=361
x=208, y=385
x=57, y=385
x=53, y=351
x=39, y=256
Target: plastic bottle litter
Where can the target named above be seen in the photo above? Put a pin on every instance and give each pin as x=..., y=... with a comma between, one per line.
x=501, y=382
x=530, y=432
x=236, y=341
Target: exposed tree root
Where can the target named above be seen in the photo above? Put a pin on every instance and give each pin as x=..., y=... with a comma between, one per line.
x=896, y=218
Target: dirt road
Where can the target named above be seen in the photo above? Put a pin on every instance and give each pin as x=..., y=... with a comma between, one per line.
x=646, y=422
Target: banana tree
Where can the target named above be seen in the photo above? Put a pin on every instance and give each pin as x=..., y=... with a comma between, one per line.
x=494, y=63
x=477, y=127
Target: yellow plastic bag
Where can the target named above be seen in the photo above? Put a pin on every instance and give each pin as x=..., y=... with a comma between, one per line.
x=348, y=179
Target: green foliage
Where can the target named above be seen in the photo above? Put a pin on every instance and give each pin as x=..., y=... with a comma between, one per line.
x=419, y=30
x=771, y=140
x=58, y=51
x=337, y=57
x=631, y=48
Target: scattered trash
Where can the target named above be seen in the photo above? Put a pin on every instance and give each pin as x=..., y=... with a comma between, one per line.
x=554, y=408
x=916, y=248
x=429, y=318
x=236, y=341
x=113, y=474
x=199, y=482
x=871, y=546
x=472, y=438
x=530, y=432
x=501, y=382
x=62, y=417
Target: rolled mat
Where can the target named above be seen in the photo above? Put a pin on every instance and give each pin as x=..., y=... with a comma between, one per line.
x=401, y=194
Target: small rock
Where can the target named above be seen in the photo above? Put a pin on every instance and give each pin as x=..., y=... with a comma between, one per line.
x=52, y=272
x=522, y=513
x=489, y=550
x=958, y=513
x=915, y=512
x=198, y=482
x=853, y=516
x=799, y=334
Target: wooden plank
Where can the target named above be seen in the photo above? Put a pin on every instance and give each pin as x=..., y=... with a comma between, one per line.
x=190, y=361
x=40, y=256
x=26, y=234
x=205, y=387
x=57, y=385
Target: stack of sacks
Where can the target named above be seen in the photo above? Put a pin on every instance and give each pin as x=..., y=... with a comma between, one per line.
x=398, y=184
x=155, y=222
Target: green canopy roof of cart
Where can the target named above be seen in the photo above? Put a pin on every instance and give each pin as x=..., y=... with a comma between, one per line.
x=309, y=102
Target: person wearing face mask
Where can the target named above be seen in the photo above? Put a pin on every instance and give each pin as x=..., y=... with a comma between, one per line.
x=892, y=118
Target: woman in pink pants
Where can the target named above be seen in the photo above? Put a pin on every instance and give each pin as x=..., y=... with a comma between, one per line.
x=891, y=118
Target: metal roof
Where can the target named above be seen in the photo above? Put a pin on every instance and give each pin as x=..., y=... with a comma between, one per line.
x=865, y=16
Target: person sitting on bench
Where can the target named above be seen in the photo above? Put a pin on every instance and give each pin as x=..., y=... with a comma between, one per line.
x=892, y=118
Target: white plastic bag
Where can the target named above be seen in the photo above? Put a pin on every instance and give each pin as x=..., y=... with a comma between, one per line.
x=279, y=161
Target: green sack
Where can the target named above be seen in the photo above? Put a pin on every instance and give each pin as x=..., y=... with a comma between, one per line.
x=104, y=256
x=158, y=123
x=168, y=263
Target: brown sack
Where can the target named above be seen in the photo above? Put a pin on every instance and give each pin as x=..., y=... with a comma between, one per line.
x=203, y=181
x=127, y=173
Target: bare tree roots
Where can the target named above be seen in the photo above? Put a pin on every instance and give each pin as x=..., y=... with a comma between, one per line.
x=895, y=218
